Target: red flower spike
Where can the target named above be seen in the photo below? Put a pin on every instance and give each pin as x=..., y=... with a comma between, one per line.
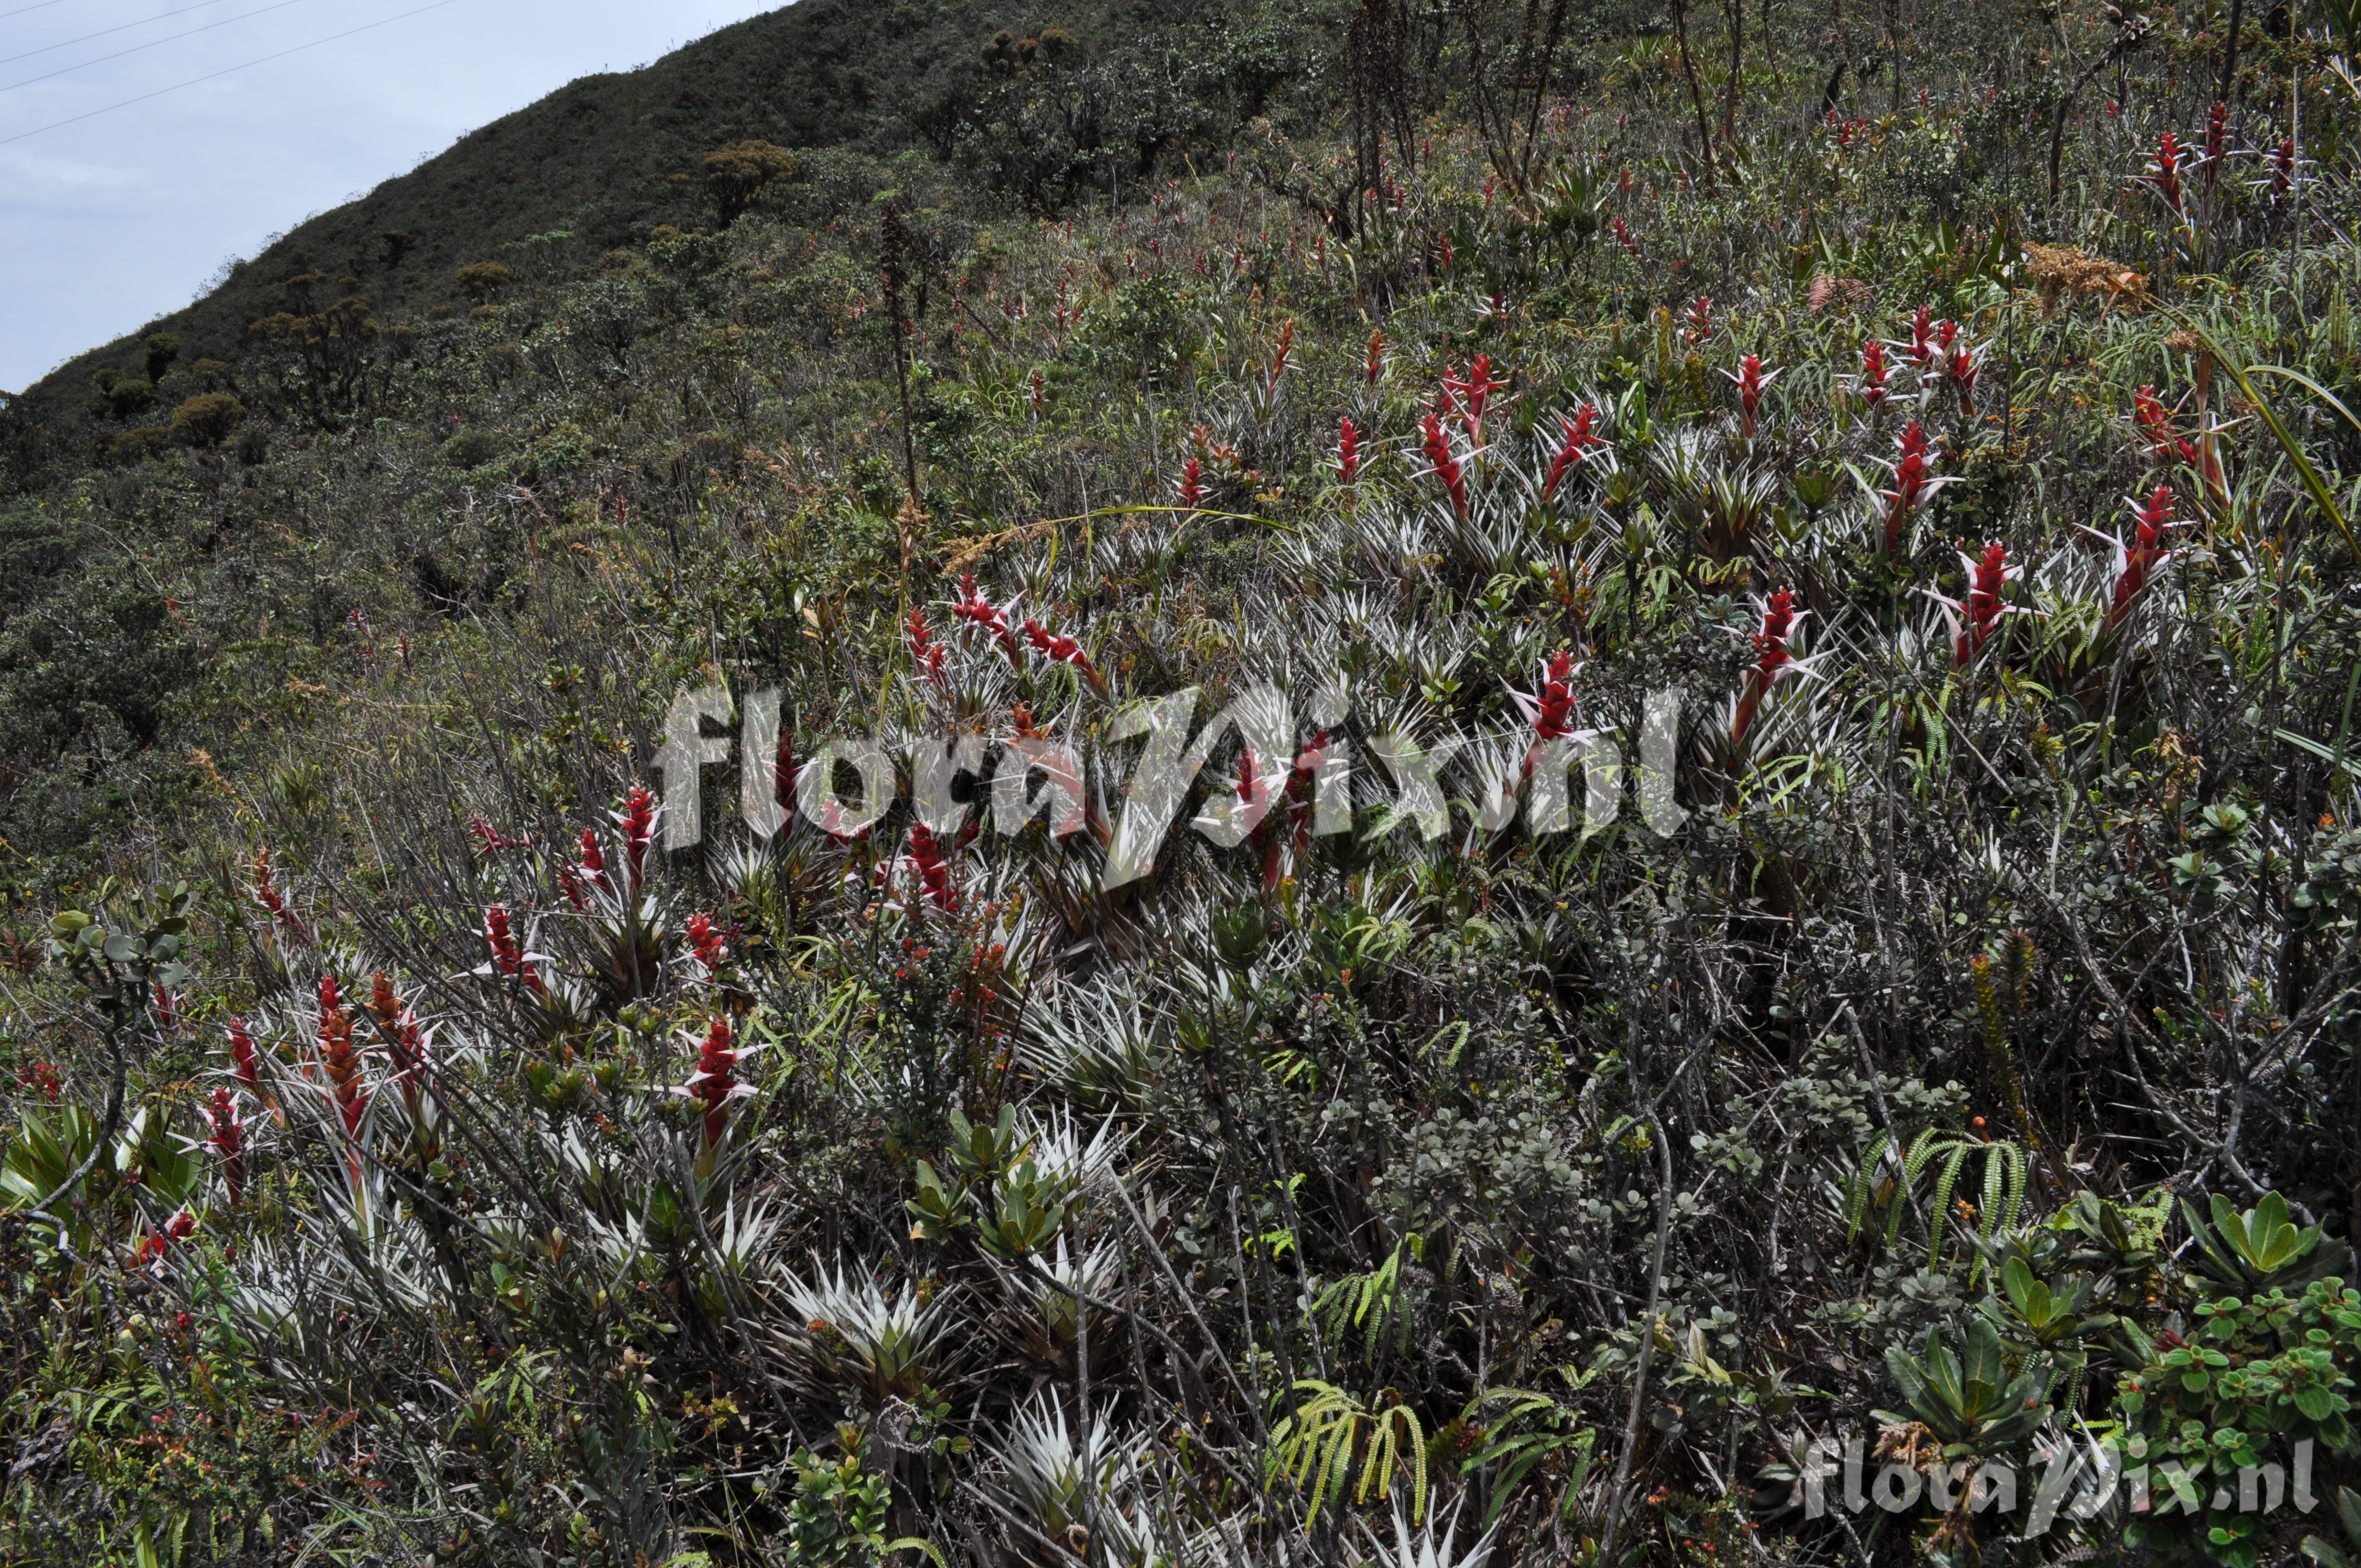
x=241, y=1055
x=403, y=1037
x=267, y=894
x=2144, y=554
x=1700, y=321
x=227, y=1140
x=925, y=654
x=2155, y=422
x=1445, y=467
x=1962, y=369
x=1376, y=366
x=1771, y=656
x=1985, y=582
x=1348, y=451
x=507, y=955
x=1750, y=379
x=594, y=862
x=933, y=872
x=638, y=821
x=1577, y=445
x=1910, y=484
x=1470, y=393
x=2164, y=172
x=1553, y=715
x=705, y=944
x=340, y=1057
x=973, y=606
x=1872, y=373
x=715, y=1082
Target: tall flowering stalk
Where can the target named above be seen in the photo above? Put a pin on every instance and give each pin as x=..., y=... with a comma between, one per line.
x=934, y=870
x=1375, y=366
x=2155, y=428
x=1750, y=379
x=1921, y=347
x=242, y=1060
x=973, y=606
x=405, y=1039
x=1872, y=381
x=1770, y=657
x=925, y=654
x=1550, y=710
x=2283, y=169
x=1988, y=577
x=1961, y=368
x=704, y=943
x=226, y=1137
x=637, y=822
x=1577, y=443
x=339, y=1058
x=1699, y=323
x=267, y=894
x=1470, y=393
x=2164, y=173
x=1444, y=464
x=1624, y=237
x=1061, y=648
x=1912, y=483
x=2145, y=555
x=1280, y=359
x=1348, y=451
x=715, y=1083
x=1193, y=484
x=509, y=958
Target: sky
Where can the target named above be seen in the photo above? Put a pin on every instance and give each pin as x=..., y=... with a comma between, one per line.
x=125, y=215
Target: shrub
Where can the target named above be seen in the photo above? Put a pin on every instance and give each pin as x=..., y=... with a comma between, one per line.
x=207, y=419
x=480, y=280
x=161, y=350
x=737, y=174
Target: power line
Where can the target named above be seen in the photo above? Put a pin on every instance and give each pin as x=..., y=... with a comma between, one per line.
x=20, y=10
x=153, y=43
x=265, y=59
x=102, y=32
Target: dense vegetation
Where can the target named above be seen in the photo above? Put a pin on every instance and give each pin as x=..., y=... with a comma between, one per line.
x=1921, y=445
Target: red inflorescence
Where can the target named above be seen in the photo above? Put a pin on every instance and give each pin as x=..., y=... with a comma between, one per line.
x=1554, y=710
x=704, y=943
x=1578, y=443
x=227, y=1140
x=2144, y=554
x=638, y=821
x=1771, y=656
x=1985, y=586
x=507, y=954
x=1437, y=447
x=715, y=1082
x=933, y=872
x=340, y=1057
x=1910, y=478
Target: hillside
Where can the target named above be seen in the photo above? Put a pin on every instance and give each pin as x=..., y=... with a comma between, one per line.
x=1362, y=785
x=606, y=159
